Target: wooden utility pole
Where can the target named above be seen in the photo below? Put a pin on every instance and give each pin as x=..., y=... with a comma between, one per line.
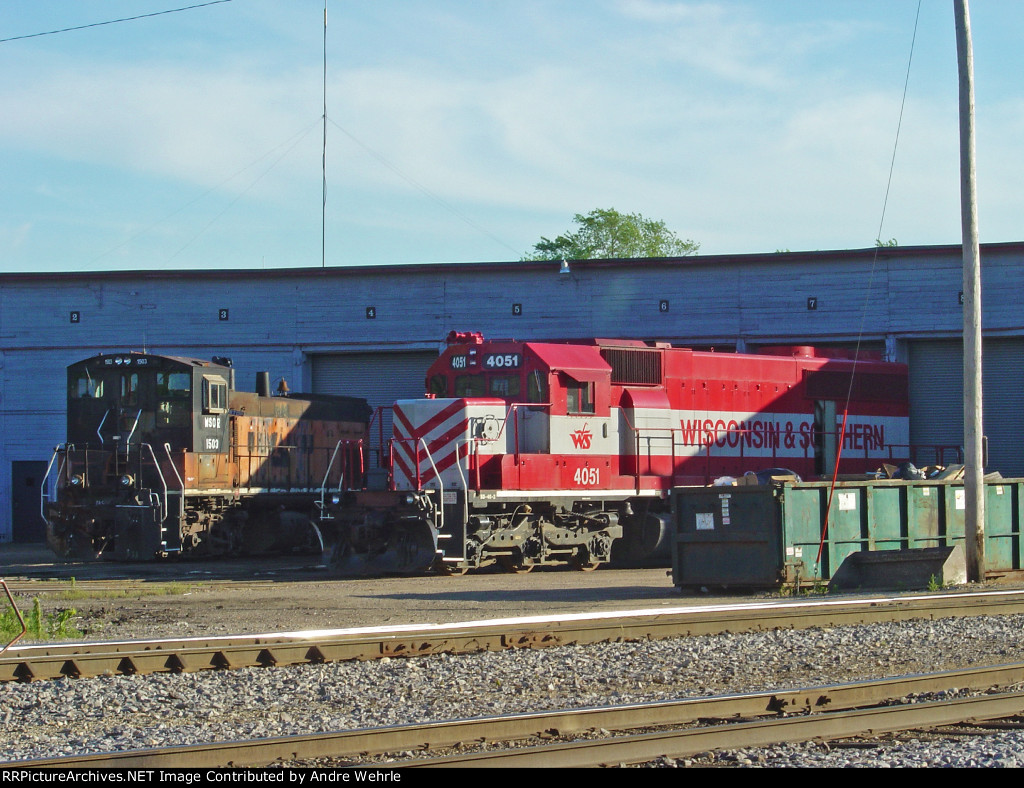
x=974, y=488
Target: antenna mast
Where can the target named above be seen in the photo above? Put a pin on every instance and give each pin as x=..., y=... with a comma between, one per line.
x=323, y=204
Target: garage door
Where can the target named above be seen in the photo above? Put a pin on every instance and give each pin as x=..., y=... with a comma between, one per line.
x=937, y=400
x=381, y=378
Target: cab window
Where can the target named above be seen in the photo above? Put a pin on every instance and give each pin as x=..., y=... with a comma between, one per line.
x=215, y=394
x=536, y=387
x=174, y=408
x=579, y=397
x=503, y=386
x=438, y=386
x=85, y=386
x=469, y=386
x=173, y=384
x=130, y=388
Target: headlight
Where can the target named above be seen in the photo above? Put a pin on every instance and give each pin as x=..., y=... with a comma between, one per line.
x=335, y=500
x=78, y=480
x=126, y=481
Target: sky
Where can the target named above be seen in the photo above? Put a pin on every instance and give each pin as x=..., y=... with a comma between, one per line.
x=466, y=130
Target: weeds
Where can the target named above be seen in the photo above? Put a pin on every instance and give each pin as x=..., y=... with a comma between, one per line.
x=39, y=625
x=815, y=587
x=165, y=589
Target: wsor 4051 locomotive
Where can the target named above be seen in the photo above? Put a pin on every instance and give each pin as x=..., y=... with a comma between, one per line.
x=164, y=456
x=527, y=454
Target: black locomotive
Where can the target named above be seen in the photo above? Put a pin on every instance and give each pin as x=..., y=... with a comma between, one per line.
x=164, y=456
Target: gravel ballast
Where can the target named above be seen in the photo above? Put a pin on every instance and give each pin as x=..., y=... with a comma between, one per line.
x=63, y=717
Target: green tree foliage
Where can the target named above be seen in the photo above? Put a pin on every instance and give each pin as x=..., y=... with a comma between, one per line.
x=608, y=233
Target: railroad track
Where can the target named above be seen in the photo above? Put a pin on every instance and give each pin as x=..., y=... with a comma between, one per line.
x=584, y=738
x=128, y=585
x=83, y=660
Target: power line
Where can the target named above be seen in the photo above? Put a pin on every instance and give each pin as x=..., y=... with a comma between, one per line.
x=867, y=293
x=443, y=203
x=113, y=21
x=291, y=143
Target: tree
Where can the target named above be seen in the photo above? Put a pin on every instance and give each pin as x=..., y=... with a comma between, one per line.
x=608, y=233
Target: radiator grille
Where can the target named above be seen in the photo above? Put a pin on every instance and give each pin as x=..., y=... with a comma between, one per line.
x=634, y=366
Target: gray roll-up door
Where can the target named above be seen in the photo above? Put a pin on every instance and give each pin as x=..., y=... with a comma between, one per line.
x=381, y=378
x=1003, y=384
x=937, y=399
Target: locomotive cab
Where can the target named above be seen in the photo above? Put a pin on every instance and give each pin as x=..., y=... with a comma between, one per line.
x=117, y=401
x=128, y=416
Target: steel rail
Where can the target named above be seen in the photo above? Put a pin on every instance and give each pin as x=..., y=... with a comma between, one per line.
x=641, y=748
x=131, y=586
x=81, y=660
x=356, y=744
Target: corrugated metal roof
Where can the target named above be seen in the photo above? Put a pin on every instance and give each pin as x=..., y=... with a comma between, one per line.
x=386, y=271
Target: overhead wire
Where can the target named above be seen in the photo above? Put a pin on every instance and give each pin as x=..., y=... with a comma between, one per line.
x=420, y=187
x=867, y=294
x=324, y=119
x=112, y=21
x=288, y=144
x=244, y=191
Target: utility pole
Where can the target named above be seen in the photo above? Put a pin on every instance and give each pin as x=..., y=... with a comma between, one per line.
x=974, y=488
x=323, y=165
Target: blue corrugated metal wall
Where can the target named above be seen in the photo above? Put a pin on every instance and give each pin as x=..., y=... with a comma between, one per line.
x=278, y=320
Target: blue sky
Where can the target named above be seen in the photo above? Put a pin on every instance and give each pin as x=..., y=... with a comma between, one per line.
x=463, y=131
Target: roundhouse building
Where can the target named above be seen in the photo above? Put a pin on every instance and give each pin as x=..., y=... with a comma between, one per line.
x=372, y=331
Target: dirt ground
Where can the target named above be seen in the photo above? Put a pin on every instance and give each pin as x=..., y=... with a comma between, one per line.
x=177, y=599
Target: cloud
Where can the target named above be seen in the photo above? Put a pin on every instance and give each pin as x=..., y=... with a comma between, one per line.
x=14, y=237
x=743, y=128
x=178, y=121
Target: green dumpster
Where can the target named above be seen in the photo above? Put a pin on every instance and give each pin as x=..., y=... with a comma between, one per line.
x=765, y=536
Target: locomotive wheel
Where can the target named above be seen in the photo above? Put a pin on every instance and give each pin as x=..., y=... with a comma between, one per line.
x=515, y=567
x=584, y=564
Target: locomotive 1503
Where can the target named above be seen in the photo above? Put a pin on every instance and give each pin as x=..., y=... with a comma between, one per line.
x=164, y=456
x=527, y=454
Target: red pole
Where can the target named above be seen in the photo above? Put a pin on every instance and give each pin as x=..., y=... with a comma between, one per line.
x=832, y=488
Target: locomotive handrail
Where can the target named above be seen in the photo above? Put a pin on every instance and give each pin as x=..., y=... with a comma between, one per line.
x=378, y=416
x=99, y=429
x=503, y=421
x=440, y=481
x=513, y=407
x=44, y=497
x=416, y=459
x=170, y=459
x=135, y=426
x=462, y=476
x=805, y=441
x=159, y=473
x=321, y=504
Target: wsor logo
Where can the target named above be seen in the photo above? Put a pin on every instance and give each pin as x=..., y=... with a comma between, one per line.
x=581, y=438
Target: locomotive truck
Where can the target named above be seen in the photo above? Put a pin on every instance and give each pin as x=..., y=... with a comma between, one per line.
x=526, y=454
x=165, y=457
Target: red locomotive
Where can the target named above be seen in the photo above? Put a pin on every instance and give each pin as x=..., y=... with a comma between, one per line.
x=534, y=453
